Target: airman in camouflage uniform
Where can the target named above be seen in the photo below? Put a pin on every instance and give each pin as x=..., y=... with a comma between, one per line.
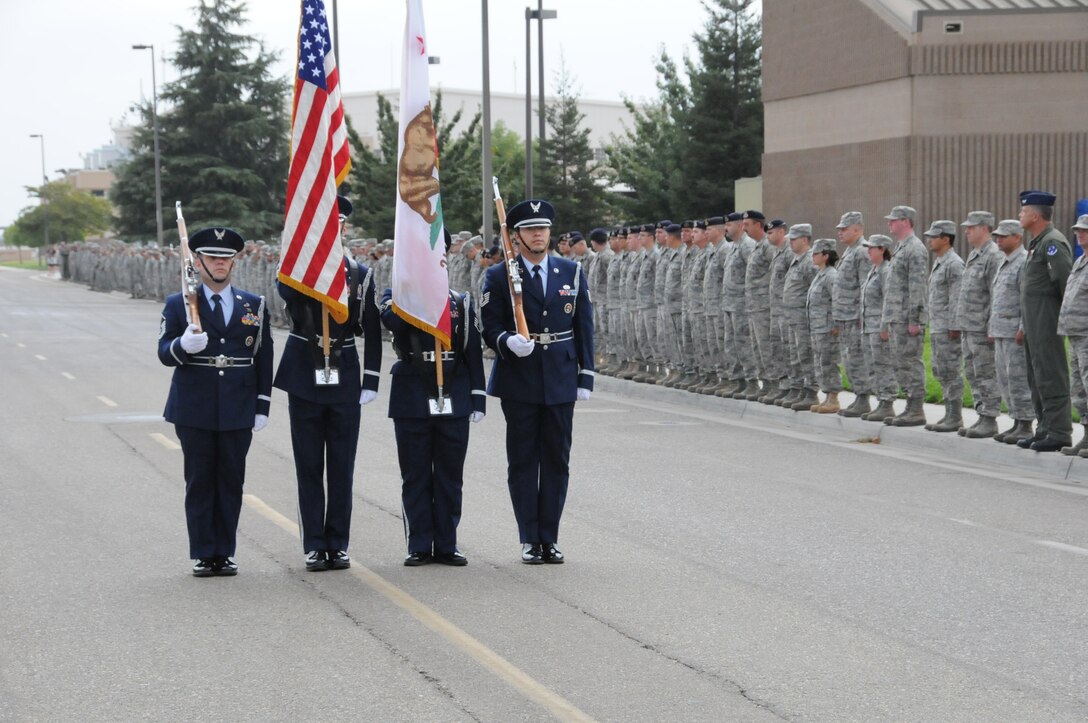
x=739, y=358
x=617, y=270
x=757, y=302
x=658, y=336
x=672, y=307
x=1050, y=259
x=973, y=314
x=1005, y=326
x=718, y=249
x=1073, y=322
x=637, y=253
x=820, y=304
x=647, y=306
x=794, y=298
x=695, y=308
x=905, y=313
x=943, y=302
x=597, y=276
x=853, y=268
x=779, y=334
x=878, y=350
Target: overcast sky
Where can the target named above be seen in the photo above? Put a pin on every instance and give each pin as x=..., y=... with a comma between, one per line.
x=74, y=73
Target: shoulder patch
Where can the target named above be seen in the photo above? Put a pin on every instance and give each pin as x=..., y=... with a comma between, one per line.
x=162, y=327
x=1051, y=249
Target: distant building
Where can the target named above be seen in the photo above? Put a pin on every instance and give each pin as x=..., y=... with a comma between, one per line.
x=603, y=118
x=946, y=105
x=96, y=177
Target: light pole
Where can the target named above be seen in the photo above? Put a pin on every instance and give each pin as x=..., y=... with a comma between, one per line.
x=155, y=131
x=485, y=181
x=41, y=197
x=540, y=15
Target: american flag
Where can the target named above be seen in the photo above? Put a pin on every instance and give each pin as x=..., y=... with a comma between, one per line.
x=320, y=160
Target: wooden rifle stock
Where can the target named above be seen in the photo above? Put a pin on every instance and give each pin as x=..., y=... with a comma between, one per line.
x=513, y=273
x=190, y=280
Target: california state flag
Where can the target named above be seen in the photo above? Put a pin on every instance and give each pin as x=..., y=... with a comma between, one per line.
x=420, y=279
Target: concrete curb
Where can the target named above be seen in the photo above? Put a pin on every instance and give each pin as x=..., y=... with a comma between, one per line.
x=948, y=445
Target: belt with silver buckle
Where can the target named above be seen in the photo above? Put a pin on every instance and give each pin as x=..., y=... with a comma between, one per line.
x=553, y=337
x=221, y=361
x=428, y=356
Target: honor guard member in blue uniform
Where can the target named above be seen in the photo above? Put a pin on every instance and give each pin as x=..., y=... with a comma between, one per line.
x=219, y=395
x=325, y=409
x=432, y=431
x=538, y=379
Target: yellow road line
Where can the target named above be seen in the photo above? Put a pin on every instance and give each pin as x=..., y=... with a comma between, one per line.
x=485, y=656
x=165, y=441
x=107, y=401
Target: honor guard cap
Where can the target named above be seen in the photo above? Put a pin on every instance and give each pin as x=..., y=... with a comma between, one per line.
x=941, y=228
x=343, y=205
x=849, y=219
x=979, y=218
x=902, y=213
x=878, y=241
x=1009, y=227
x=823, y=246
x=220, y=242
x=1082, y=223
x=798, y=230
x=534, y=213
x=1037, y=198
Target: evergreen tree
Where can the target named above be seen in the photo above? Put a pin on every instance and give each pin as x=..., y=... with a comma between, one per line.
x=373, y=177
x=569, y=178
x=460, y=169
x=726, y=116
x=223, y=134
x=73, y=215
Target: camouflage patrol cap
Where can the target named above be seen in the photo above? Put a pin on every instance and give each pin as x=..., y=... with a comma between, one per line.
x=878, y=241
x=1009, y=227
x=979, y=218
x=900, y=213
x=849, y=219
x=941, y=228
x=798, y=230
x=1082, y=223
x=823, y=246
x=464, y=235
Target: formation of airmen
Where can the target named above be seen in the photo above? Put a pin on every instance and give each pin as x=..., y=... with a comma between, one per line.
x=752, y=308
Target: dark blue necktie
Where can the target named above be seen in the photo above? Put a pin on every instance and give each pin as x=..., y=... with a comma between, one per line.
x=538, y=282
x=218, y=309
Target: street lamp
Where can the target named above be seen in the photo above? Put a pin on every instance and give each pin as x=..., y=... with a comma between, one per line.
x=155, y=130
x=41, y=197
x=485, y=181
x=540, y=15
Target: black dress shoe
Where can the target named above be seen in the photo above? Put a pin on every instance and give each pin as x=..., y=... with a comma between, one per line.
x=1026, y=443
x=338, y=559
x=204, y=567
x=532, y=554
x=1047, y=444
x=455, y=558
x=317, y=560
x=415, y=559
x=225, y=567
x=552, y=554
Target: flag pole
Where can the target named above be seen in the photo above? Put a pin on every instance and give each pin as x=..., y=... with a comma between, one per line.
x=325, y=339
x=439, y=371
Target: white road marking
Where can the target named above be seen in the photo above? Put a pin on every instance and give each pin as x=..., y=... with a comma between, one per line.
x=20, y=344
x=506, y=671
x=107, y=401
x=66, y=375
x=1062, y=546
x=165, y=441
x=39, y=356
x=969, y=523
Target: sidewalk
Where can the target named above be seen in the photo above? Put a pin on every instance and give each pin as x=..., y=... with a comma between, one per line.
x=948, y=444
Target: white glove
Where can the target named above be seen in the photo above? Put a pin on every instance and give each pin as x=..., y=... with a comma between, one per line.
x=367, y=396
x=192, y=342
x=521, y=346
x=260, y=422
x=476, y=417
x=583, y=395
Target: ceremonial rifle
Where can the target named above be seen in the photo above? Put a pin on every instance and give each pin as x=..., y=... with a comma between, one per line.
x=513, y=273
x=190, y=279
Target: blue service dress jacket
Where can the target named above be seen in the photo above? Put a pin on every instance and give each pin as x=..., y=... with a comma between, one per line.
x=227, y=384
x=414, y=379
x=302, y=354
x=561, y=323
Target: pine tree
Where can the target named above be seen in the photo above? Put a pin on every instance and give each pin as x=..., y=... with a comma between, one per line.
x=372, y=183
x=726, y=116
x=460, y=169
x=223, y=134
x=569, y=178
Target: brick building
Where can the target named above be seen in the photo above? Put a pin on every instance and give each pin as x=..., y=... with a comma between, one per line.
x=945, y=105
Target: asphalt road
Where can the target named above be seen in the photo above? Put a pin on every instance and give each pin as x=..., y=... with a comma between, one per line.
x=717, y=569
